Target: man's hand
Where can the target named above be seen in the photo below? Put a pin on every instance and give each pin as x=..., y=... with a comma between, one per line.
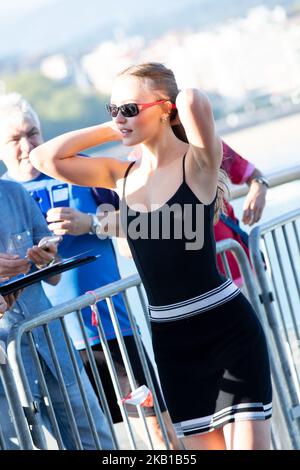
x=7, y=302
x=12, y=265
x=11, y=299
x=254, y=203
x=65, y=220
x=41, y=257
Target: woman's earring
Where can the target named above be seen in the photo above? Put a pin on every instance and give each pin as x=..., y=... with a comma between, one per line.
x=164, y=119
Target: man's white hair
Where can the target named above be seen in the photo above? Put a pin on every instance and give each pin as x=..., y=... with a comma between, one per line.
x=14, y=106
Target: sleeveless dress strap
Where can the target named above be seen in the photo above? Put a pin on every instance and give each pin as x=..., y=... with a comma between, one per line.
x=125, y=177
x=183, y=168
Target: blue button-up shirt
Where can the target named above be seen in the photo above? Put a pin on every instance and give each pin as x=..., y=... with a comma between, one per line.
x=86, y=277
x=22, y=225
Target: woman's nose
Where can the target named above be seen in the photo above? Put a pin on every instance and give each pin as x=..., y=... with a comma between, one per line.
x=120, y=117
x=26, y=144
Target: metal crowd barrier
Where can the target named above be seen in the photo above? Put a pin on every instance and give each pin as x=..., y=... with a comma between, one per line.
x=278, y=277
x=59, y=312
x=282, y=435
x=280, y=439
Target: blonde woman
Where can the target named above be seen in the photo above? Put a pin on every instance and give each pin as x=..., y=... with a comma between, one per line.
x=209, y=346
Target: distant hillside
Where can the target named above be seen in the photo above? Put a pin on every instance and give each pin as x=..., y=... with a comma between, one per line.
x=76, y=26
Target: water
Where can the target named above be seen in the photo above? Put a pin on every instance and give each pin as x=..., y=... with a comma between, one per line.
x=270, y=146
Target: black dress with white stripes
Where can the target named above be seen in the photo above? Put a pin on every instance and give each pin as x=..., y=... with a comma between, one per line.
x=209, y=346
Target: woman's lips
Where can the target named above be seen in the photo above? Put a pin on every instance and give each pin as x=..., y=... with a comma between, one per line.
x=125, y=132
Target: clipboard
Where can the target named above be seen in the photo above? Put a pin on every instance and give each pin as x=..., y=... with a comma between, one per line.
x=42, y=274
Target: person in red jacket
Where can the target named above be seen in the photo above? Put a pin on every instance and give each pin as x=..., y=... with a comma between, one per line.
x=239, y=171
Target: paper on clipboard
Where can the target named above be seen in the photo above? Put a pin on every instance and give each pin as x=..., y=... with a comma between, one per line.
x=43, y=273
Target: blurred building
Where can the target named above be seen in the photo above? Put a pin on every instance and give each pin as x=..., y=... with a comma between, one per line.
x=258, y=54
x=66, y=70
x=109, y=58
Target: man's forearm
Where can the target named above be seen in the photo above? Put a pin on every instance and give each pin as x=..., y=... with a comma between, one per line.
x=256, y=174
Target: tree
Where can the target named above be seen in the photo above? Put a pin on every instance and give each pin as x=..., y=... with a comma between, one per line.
x=61, y=106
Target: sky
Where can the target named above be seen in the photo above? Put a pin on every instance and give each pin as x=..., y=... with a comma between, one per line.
x=39, y=26
x=33, y=25
x=19, y=7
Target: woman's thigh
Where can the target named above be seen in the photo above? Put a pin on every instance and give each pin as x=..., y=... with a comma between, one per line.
x=248, y=435
x=213, y=440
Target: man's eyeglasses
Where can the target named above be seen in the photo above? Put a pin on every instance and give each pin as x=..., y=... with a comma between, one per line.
x=132, y=109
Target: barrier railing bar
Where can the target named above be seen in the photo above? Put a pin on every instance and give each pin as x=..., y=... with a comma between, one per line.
x=283, y=176
x=2, y=442
x=143, y=304
x=286, y=287
x=296, y=234
x=23, y=387
x=226, y=265
x=113, y=375
x=97, y=378
x=127, y=364
x=63, y=388
x=15, y=407
x=80, y=386
x=251, y=288
x=292, y=261
x=44, y=392
x=275, y=291
x=291, y=425
x=146, y=370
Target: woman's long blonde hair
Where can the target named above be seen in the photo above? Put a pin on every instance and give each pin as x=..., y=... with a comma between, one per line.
x=164, y=83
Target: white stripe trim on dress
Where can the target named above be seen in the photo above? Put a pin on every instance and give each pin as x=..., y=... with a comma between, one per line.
x=241, y=412
x=193, y=299
x=195, y=305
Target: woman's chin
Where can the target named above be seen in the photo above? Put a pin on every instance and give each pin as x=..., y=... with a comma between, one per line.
x=130, y=142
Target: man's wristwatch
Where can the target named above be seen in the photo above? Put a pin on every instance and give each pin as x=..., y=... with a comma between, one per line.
x=96, y=225
x=262, y=180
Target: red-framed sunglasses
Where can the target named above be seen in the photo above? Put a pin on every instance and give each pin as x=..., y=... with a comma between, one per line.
x=132, y=109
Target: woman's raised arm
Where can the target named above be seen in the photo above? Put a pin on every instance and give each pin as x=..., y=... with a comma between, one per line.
x=196, y=116
x=59, y=157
